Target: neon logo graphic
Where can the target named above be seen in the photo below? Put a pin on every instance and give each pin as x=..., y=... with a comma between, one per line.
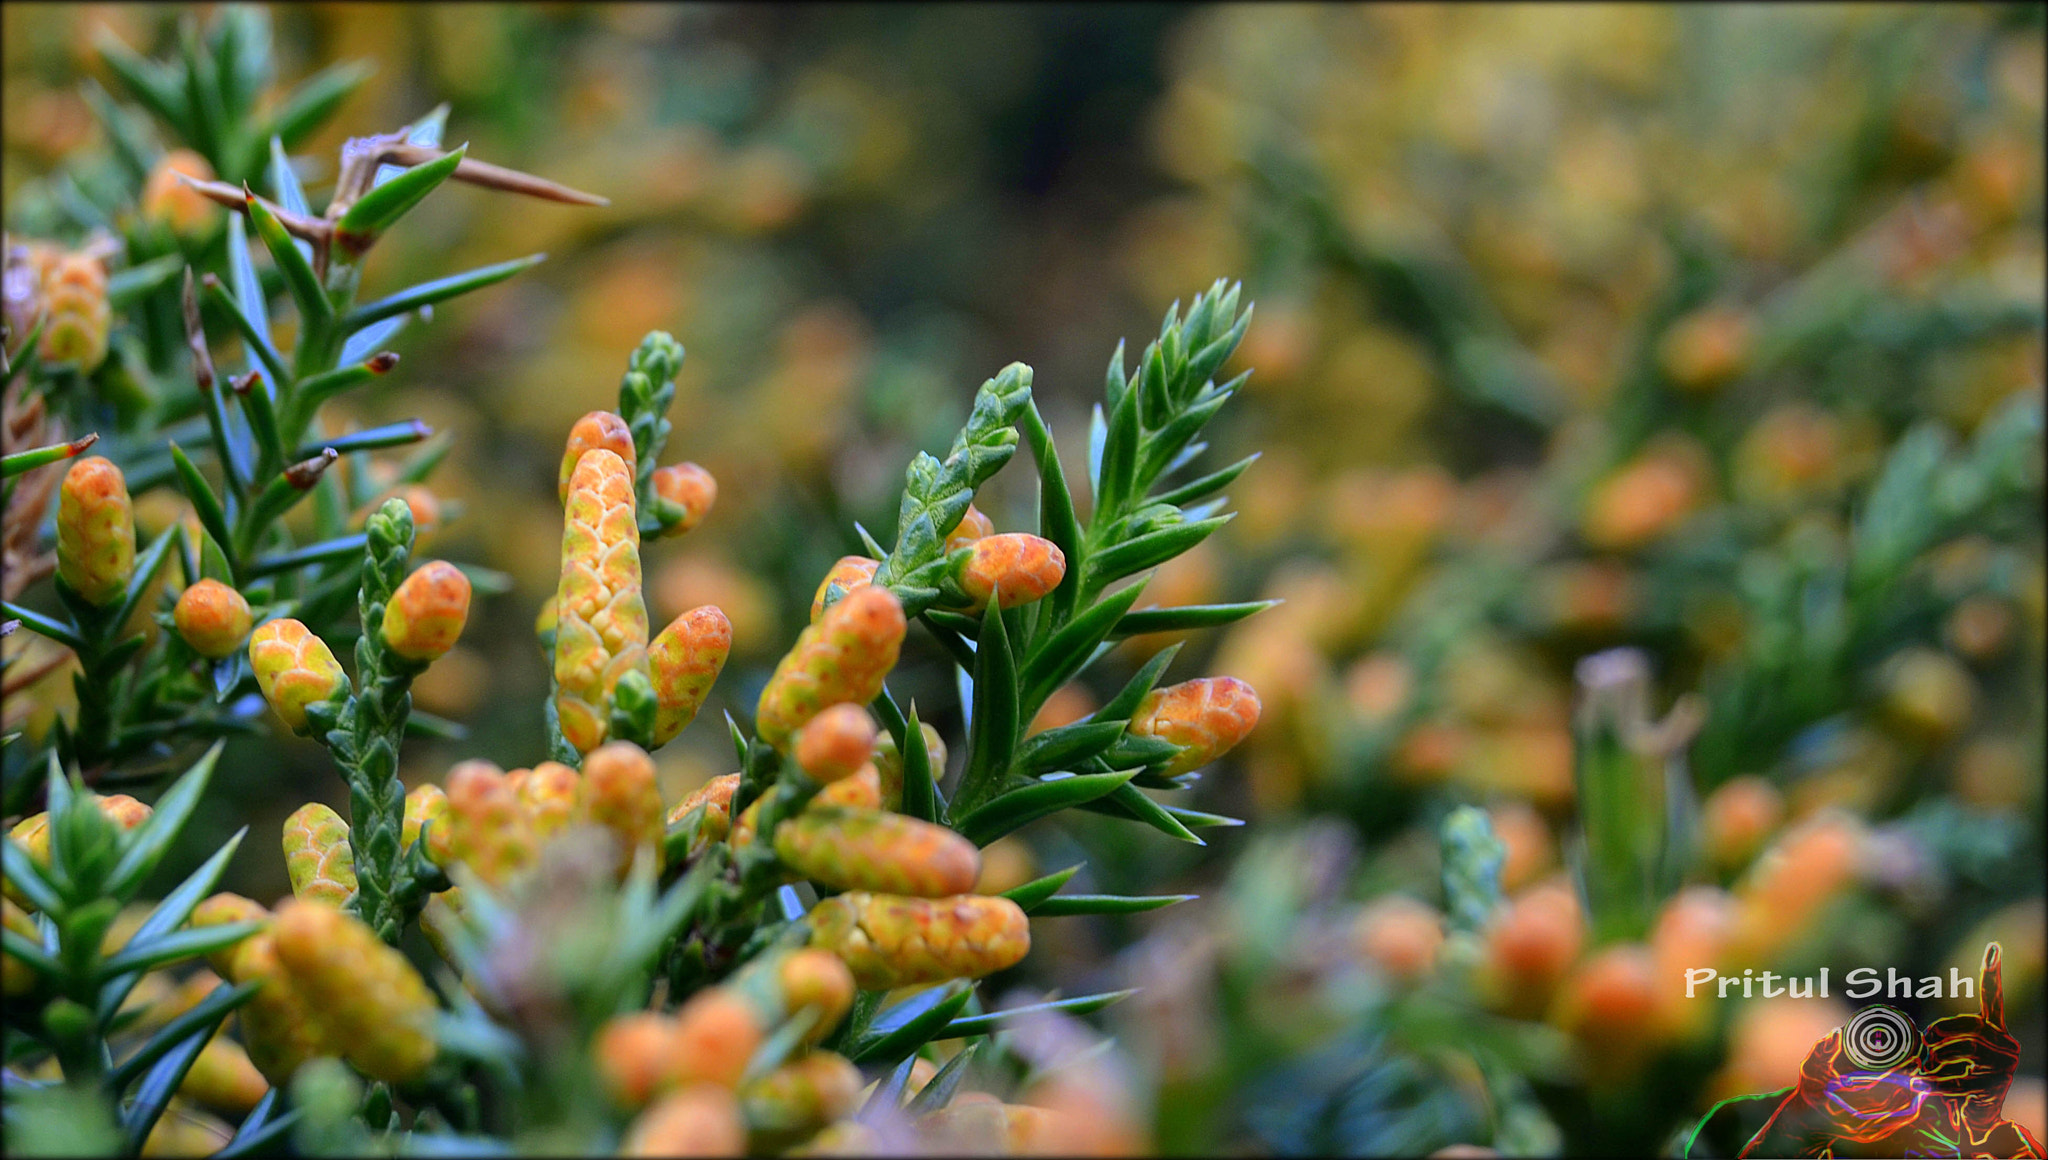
x=1882, y=1086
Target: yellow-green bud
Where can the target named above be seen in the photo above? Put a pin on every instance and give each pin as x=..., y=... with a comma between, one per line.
x=213, y=618
x=684, y=662
x=366, y=993
x=601, y=617
x=594, y=430
x=294, y=669
x=800, y=1097
x=318, y=856
x=883, y=852
x=549, y=793
x=95, y=531
x=426, y=614
x=488, y=830
x=842, y=658
x=891, y=941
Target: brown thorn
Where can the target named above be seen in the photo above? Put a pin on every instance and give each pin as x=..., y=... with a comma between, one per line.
x=195, y=337
x=307, y=472
x=497, y=176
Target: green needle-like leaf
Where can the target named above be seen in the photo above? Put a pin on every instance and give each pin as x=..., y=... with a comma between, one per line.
x=909, y=1025
x=206, y=1014
x=315, y=100
x=207, y=505
x=176, y=946
x=995, y=722
x=439, y=290
x=316, y=313
x=379, y=209
x=1028, y=896
x=1187, y=618
x=1027, y=804
x=147, y=843
x=1074, y=904
x=983, y=1024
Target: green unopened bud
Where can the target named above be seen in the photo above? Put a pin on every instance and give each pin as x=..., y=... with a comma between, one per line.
x=317, y=855
x=95, y=532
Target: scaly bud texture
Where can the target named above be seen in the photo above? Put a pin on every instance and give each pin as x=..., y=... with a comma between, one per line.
x=549, y=793
x=890, y=941
x=843, y=657
x=376, y=1004
x=836, y=743
x=487, y=830
x=619, y=794
x=870, y=850
x=849, y=573
x=684, y=661
x=294, y=669
x=1207, y=717
x=427, y=612
x=690, y=488
x=213, y=618
x=95, y=532
x=597, y=429
x=601, y=618
x=1013, y=568
x=318, y=856
x=862, y=791
x=79, y=315
x=973, y=526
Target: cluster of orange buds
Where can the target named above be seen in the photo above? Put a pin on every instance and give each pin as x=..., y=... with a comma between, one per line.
x=173, y=202
x=318, y=856
x=842, y=658
x=280, y=1023
x=888, y=763
x=32, y=833
x=488, y=830
x=847, y=574
x=800, y=1097
x=873, y=850
x=213, y=618
x=600, y=613
x=709, y=1040
x=427, y=612
x=1206, y=717
x=95, y=531
x=79, y=319
x=1012, y=568
x=294, y=668
x=683, y=662
x=375, y=1005
x=892, y=941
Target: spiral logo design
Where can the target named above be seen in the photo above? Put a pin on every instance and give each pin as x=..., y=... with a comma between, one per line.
x=1880, y=1037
